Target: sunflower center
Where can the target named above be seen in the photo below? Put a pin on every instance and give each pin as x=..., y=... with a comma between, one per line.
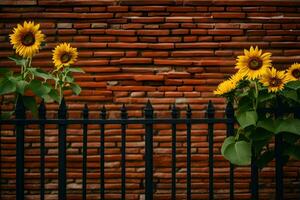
x=28, y=39
x=296, y=73
x=65, y=58
x=274, y=82
x=255, y=63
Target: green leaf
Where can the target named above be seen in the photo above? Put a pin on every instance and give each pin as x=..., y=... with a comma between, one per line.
x=260, y=134
x=267, y=124
x=245, y=104
x=76, y=70
x=291, y=94
x=39, y=88
x=5, y=71
x=265, y=158
x=290, y=138
x=69, y=79
x=40, y=73
x=265, y=96
x=30, y=104
x=75, y=88
x=21, y=86
x=258, y=145
x=54, y=95
x=292, y=151
x=246, y=119
x=7, y=86
x=295, y=85
x=6, y=114
x=288, y=125
x=238, y=153
x=18, y=60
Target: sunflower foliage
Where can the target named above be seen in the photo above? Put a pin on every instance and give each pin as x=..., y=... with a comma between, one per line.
x=32, y=83
x=267, y=103
x=63, y=57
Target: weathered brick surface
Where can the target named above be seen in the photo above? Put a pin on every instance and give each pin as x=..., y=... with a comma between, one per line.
x=168, y=51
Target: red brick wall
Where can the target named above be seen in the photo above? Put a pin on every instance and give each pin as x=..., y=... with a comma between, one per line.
x=168, y=51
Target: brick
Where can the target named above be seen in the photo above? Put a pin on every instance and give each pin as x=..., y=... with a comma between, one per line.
x=197, y=45
x=64, y=25
x=198, y=32
x=153, y=32
x=128, y=45
x=172, y=62
x=117, y=8
x=179, y=19
x=119, y=32
x=251, y=26
x=127, y=39
x=225, y=15
x=155, y=54
x=225, y=32
x=180, y=31
x=192, y=53
x=148, y=8
x=162, y=46
x=147, y=19
x=109, y=53
x=169, y=39
x=149, y=78
x=135, y=60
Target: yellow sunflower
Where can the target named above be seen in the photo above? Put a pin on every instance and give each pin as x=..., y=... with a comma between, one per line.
x=64, y=55
x=27, y=39
x=293, y=72
x=253, y=63
x=274, y=80
x=228, y=85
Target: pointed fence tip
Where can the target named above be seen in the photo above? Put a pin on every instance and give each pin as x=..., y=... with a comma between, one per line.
x=62, y=110
x=188, y=111
x=174, y=111
x=85, y=111
x=210, y=111
x=103, y=112
x=124, y=114
x=20, y=108
x=42, y=109
x=148, y=105
x=229, y=110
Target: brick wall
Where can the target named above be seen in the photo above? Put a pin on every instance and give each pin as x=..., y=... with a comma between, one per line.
x=168, y=51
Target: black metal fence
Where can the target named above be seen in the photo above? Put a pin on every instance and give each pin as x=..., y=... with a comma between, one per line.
x=148, y=121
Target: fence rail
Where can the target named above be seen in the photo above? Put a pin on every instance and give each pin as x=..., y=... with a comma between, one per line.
x=148, y=121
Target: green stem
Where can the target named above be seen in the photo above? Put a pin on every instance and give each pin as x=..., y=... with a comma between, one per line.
x=256, y=96
x=60, y=95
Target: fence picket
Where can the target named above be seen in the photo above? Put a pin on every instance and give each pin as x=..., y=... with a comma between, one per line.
x=62, y=167
x=102, y=153
x=188, y=152
x=229, y=112
x=124, y=116
x=174, y=116
x=149, y=151
x=20, y=114
x=210, y=112
x=85, y=114
x=42, y=116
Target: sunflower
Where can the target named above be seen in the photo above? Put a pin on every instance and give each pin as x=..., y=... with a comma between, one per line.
x=274, y=80
x=228, y=85
x=27, y=39
x=293, y=72
x=253, y=63
x=64, y=55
